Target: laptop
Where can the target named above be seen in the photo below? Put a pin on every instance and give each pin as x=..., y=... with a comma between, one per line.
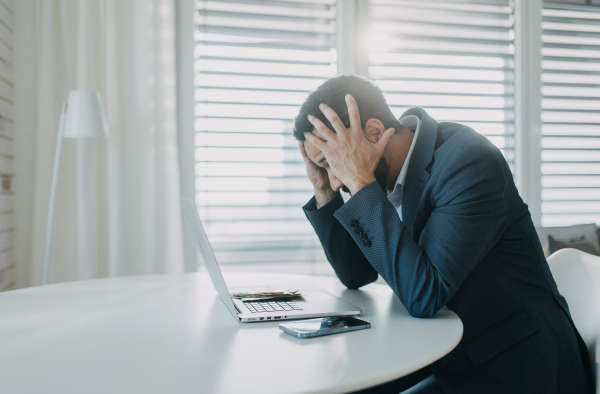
x=314, y=302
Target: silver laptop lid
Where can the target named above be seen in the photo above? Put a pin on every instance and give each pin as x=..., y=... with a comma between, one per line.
x=191, y=215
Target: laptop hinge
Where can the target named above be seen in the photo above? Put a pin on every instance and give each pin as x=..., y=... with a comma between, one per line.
x=236, y=307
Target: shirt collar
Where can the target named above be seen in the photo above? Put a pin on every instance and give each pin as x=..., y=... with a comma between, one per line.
x=413, y=123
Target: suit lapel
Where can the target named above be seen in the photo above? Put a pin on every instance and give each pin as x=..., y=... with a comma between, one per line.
x=417, y=175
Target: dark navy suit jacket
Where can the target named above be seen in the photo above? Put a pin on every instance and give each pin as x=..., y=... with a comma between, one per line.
x=467, y=242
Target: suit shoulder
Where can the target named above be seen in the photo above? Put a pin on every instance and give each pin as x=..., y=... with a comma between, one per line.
x=464, y=133
x=457, y=142
x=466, y=170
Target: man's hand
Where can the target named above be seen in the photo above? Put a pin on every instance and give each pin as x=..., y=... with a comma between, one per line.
x=351, y=157
x=318, y=177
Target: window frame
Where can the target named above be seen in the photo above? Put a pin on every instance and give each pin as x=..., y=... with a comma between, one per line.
x=184, y=41
x=528, y=107
x=352, y=20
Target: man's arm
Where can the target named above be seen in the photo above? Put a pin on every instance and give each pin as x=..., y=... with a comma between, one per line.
x=467, y=222
x=346, y=258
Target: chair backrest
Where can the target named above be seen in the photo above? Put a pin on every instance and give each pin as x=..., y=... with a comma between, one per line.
x=577, y=275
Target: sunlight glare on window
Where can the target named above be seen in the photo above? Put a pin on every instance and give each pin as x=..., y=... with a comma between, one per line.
x=455, y=59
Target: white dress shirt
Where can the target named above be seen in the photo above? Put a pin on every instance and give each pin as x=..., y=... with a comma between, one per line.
x=412, y=123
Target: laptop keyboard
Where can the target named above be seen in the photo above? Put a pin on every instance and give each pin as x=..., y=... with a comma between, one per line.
x=256, y=307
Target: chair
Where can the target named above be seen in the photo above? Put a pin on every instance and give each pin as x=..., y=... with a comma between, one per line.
x=577, y=275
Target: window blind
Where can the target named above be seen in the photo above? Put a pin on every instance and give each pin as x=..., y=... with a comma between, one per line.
x=570, y=114
x=255, y=63
x=453, y=58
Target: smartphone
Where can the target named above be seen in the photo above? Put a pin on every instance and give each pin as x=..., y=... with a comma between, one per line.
x=323, y=326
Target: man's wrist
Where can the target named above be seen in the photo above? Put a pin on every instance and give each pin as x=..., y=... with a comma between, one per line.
x=360, y=183
x=323, y=196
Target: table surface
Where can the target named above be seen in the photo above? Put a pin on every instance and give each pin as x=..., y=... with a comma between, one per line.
x=172, y=334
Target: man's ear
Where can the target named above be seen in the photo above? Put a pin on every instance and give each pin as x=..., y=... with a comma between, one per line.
x=373, y=130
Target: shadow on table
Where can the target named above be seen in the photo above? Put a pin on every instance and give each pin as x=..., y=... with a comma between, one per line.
x=398, y=385
x=223, y=329
x=367, y=301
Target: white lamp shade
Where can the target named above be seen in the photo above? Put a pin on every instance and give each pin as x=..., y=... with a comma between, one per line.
x=85, y=115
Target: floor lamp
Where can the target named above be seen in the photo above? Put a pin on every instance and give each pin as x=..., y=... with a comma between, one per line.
x=82, y=117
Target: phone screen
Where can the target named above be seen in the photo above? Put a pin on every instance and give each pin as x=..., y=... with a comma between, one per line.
x=323, y=326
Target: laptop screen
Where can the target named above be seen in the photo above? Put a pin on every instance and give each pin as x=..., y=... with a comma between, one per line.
x=191, y=215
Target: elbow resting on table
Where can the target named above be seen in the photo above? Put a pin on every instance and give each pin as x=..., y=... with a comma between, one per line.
x=422, y=307
x=428, y=293
x=353, y=282
x=420, y=312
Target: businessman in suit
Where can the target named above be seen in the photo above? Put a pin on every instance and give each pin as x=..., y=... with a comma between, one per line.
x=434, y=210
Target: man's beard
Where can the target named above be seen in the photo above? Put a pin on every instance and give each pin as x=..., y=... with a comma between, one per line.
x=382, y=171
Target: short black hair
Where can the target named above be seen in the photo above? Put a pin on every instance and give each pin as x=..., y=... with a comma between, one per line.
x=369, y=99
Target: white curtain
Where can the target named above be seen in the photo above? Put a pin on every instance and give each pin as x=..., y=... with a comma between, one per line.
x=117, y=205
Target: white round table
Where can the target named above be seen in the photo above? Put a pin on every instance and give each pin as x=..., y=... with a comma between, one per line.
x=172, y=334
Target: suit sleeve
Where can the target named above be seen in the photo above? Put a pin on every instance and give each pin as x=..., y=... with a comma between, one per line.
x=348, y=261
x=467, y=221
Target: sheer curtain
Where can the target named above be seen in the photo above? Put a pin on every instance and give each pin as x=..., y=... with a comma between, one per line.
x=117, y=210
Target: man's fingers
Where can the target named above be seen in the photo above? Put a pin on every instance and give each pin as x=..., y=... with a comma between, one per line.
x=327, y=135
x=316, y=141
x=353, y=113
x=385, y=139
x=303, y=151
x=333, y=117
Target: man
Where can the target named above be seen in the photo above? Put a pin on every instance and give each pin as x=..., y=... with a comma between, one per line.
x=434, y=210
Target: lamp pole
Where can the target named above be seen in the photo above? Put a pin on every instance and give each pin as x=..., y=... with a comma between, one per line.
x=61, y=129
x=84, y=118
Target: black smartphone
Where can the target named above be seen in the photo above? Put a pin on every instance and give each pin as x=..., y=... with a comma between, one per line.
x=323, y=326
